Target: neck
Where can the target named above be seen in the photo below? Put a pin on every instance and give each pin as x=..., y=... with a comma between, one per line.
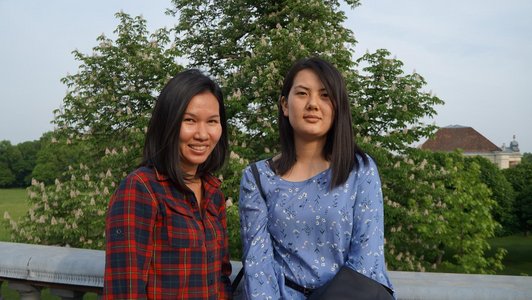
x=310, y=161
x=310, y=152
x=195, y=186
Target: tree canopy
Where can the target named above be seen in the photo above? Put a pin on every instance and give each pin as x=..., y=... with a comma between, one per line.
x=434, y=202
x=100, y=134
x=520, y=177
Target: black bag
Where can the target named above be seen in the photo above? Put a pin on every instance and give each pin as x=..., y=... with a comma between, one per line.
x=349, y=284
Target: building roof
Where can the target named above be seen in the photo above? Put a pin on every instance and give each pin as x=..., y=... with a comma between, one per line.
x=455, y=137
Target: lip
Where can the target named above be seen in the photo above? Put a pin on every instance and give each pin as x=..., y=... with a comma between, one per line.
x=198, y=148
x=312, y=118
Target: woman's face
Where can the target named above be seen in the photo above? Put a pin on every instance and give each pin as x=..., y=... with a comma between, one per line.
x=200, y=131
x=308, y=107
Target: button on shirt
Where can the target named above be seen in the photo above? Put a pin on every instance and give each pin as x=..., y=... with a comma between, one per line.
x=160, y=245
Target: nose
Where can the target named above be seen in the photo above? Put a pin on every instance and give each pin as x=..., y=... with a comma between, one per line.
x=312, y=103
x=201, y=131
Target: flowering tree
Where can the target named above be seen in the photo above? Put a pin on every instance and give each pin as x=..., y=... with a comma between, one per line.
x=249, y=46
x=438, y=212
x=105, y=114
x=388, y=105
x=55, y=157
x=433, y=202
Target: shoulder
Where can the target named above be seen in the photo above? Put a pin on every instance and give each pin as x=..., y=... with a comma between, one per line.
x=136, y=195
x=365, y=161
x=365, y=167
x=263, y=166
x=212, y=181
x=137, y=186
x=143, y=175
x=262, y=176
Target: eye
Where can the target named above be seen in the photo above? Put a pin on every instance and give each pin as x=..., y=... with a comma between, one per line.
x=214, y=121
x=301, y=93
x=188, y=120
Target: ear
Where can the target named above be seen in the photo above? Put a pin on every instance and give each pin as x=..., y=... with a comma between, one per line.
x=284, y=105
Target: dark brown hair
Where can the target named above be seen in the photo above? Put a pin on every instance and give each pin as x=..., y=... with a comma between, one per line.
x=340, y=148
x=161, y=147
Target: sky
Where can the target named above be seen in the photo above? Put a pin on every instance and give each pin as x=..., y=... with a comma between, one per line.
x=476, y=55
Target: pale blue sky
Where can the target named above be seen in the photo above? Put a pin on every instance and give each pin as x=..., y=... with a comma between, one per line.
x=475, y=55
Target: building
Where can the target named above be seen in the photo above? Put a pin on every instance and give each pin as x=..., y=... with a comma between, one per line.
x=471, y=142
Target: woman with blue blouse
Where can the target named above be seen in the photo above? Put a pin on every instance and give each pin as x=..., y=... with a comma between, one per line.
x=322, y=206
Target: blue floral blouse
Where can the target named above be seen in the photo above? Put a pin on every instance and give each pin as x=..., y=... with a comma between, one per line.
x=306, y=232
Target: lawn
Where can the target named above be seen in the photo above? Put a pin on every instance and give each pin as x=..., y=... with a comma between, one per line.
x=14, y=202
x=518, y=261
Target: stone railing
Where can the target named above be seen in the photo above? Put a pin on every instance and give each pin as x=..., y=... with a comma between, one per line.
x=71, y=272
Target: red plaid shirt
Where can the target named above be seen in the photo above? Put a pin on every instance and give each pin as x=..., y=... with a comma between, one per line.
x=160, y=245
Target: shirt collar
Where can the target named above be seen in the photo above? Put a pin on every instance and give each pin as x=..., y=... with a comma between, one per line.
x=160, y=176
x=208, y=179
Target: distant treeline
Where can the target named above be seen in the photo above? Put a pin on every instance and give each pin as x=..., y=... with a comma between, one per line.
x=44, y=160
x=17, y=163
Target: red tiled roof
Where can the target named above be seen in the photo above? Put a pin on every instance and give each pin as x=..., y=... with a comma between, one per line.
x=467, y=139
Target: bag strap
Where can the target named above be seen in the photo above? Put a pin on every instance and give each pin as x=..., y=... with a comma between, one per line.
x=238, y=277
x=256, y=176
x=255, y=172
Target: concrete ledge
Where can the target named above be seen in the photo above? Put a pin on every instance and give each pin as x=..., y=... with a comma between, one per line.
x=82, y=270
x=58, y=265
x=417, y=285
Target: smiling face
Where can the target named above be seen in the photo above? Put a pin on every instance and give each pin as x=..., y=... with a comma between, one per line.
x=308, y=107
x=200, y=131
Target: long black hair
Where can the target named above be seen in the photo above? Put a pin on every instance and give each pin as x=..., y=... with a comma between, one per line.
x=161, y=147
x=340, y=148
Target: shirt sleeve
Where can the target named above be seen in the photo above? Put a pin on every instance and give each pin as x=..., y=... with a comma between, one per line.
x=261, y=274
x=366, y=254
x=129, y=228
x=225, y=282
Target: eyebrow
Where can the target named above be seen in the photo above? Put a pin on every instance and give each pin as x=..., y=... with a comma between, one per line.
x=307, y=88
x=194, y=115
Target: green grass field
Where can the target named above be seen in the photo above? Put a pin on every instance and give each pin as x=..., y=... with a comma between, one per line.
x=14, y=202
x=518, y=261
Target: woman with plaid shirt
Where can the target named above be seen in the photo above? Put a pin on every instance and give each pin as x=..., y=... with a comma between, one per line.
x=166, y=232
